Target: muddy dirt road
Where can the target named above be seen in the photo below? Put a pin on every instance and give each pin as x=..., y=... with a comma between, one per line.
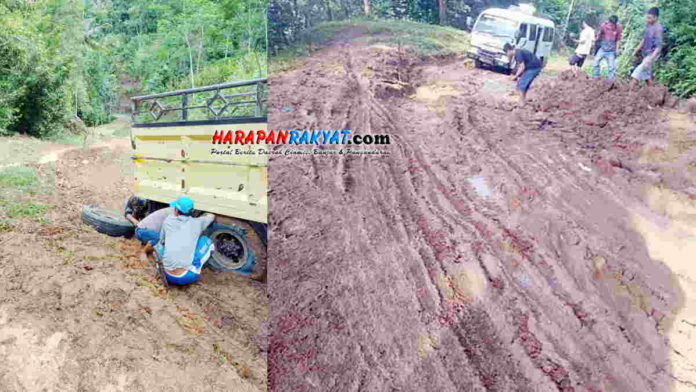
x=80, y=311
x=495, y=248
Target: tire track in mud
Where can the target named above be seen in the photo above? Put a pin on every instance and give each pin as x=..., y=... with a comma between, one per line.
x=398, y=174
x=541, y=169
x=482, y=228
x=405, y=278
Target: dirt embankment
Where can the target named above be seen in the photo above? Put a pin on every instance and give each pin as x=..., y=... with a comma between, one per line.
x=80, y=311
x=493, y=249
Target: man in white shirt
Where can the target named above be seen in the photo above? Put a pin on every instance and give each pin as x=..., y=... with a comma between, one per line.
x=585, y=44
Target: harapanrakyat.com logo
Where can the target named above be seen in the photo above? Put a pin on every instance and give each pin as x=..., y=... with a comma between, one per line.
x=298, y=137
x=326, y=142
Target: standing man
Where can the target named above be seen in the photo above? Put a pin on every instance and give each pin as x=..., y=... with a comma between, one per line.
x=650, y=48
x=609, y=37
x=528, y=68
x=585, y=44
x=182, y=248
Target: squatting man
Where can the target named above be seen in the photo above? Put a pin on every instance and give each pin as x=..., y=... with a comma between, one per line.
x=174, y=235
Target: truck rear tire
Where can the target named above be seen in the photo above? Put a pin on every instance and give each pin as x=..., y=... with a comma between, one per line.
x=107, y=222
x=238, y=248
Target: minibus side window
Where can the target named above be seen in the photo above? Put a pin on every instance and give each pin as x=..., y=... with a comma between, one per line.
x=548, y=34
x=523, y=30
x=532, y=32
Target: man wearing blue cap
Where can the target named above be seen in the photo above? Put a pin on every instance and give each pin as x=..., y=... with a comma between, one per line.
x=181, y=246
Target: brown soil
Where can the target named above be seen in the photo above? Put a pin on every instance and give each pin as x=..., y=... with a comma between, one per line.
x=80, y=311
x=493, y=248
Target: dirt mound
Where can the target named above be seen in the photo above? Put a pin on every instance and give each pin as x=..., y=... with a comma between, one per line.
x=691, y=105
x=597, y=112
x=491, y=249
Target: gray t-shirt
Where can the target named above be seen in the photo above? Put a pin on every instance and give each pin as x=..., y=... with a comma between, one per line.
x=652, y=38
x=180, y=235
x=155, y=220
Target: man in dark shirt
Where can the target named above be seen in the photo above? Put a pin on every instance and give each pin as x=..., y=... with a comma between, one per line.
x=650, y=48
x=136, y=209
x=528, y=68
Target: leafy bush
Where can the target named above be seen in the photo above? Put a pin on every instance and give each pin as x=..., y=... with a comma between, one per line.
x=678, y=71
x=40, y=109
x=102, y=90
x=61, y=60
x=677, y=68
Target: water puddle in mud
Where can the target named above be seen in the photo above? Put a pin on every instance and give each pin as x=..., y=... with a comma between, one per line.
x=497, y=86
x=435, y=93
x=680, y=140
x=480, y=186
x=669, y=231
x=671, y=239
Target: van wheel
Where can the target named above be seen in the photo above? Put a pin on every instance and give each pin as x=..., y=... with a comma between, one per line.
x=238, y=248
x=107, y=222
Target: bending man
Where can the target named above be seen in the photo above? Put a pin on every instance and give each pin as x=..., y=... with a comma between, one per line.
x=528, y=68
x=182, y=248
x=147, y=231
x=136, y=209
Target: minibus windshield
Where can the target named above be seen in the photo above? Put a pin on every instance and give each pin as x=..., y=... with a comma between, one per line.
x=496, y=26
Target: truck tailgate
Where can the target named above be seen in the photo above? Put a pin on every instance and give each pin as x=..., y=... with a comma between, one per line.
x=175, y=159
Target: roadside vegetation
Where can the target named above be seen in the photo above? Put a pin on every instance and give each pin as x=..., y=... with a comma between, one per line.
x=68, y=64
x=18, y=186
x=297, y=25
x=422, y=40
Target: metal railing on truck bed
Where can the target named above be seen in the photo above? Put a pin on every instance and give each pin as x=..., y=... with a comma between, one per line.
x=223, y=103
x=174, y=154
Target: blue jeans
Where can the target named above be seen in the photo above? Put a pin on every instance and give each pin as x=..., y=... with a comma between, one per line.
x=527, y=78
x=610, y=55
x=204, y=248
x=147, y=236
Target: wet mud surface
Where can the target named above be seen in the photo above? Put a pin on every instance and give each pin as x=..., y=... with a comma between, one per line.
x=80, y=311
x=493, y=249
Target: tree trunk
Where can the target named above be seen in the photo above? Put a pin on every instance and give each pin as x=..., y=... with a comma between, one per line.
x=328, y=10
x=367, y=6
x=190, y=53
x=442, y=4
x=200, y=51
x=567, y=20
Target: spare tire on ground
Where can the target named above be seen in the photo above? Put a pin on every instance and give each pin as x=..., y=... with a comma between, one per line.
x=107, y=222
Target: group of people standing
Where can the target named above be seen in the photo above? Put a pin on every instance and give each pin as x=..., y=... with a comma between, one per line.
x=607, y=46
